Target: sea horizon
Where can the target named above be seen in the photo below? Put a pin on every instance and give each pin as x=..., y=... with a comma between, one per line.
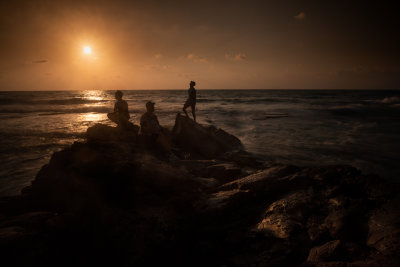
x=200, y=89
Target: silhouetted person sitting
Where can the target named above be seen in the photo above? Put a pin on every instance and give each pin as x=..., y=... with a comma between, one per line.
x=191, y=101
x=121, y=114
x=151, y=129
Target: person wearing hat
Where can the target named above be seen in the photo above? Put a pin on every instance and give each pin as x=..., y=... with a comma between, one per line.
x=121, y=114
x=149, y=124
x=151, y=129
x=191, y=101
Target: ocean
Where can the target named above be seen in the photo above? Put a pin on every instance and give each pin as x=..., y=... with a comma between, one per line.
x=301, y=127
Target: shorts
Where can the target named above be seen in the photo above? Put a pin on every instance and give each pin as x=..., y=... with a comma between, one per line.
x=190, y=103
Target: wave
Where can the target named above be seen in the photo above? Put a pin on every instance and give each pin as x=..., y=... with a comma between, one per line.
x=361, y=110
x=68, y=101
x=253, y=100
x=267, y=116
x=391, y=100
x=35, y=133
x=46, y=112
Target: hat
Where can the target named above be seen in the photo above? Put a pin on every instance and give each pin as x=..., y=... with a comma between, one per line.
x=149, y=103
x=118, y=94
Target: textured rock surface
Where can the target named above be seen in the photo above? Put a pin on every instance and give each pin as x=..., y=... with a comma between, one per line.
x=206, y=141
x=113, y=202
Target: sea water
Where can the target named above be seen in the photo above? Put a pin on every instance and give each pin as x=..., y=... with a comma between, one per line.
x=301, y=127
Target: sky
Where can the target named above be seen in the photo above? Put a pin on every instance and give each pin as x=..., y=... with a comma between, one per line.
x=219, y=44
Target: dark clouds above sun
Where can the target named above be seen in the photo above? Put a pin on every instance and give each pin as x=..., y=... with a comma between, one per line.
x=220, y=44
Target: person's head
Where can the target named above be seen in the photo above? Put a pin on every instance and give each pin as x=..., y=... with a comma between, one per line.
x=192, y=83
x=118, y=95
x=150, y=106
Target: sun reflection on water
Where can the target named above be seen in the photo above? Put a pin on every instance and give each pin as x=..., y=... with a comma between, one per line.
x=94, y=95
x=92, y=117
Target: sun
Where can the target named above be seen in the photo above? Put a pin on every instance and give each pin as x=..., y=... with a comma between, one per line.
x=87, y=50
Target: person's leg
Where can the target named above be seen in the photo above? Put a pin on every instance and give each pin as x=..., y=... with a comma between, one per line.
x=184, y=109
x=194, y=111
x=113, y=117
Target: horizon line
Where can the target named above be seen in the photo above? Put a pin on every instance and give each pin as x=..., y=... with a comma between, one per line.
x=205, y=89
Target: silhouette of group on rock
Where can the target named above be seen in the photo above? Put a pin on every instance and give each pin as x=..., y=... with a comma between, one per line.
x=150, y=128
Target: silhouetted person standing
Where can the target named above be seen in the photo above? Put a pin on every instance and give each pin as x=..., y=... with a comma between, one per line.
x=121, y=114
x=191, y=101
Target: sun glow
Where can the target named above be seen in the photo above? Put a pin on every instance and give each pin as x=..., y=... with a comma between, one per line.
x=87, y=50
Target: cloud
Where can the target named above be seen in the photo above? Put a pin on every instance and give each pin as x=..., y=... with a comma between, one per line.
x=236, y=57
x=40, y=61
x=158, y=56
x=157, y=67
x=196, y=58
x=300, y=16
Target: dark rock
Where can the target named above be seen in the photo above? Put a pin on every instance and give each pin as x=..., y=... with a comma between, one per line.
x=86, y=176
x=262, y=179
x=206, y=141
x=326, y=252
x=112, y=201
x=31, y=219
x=384, y=228
x=223, y=171
x=11, y=234
x=104, y=133
x=285, y=216
x=242, y=158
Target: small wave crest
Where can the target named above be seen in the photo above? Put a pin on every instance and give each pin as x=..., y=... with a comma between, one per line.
x=251, y=100
x=67, y=101
x=266, y=116
x=35, y=133
x=391, y=100
x=45, y=112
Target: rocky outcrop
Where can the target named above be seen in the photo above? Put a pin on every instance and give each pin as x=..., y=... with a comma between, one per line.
x=104, y=133
x=112, y=201
x=206, y=141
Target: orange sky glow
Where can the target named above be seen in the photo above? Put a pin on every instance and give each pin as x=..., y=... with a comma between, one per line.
x=220, y=44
